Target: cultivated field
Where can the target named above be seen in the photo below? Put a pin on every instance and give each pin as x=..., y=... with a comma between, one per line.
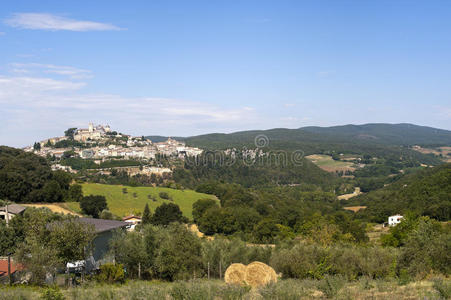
x=326, y=163
x=445, y=152
x=135, y=199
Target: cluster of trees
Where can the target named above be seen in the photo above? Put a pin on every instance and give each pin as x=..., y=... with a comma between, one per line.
x=272, y=170
x=44, y=242
x=164, y=214
x=426, y=192
x=172, y=252
x=271, y=214
x=26, y=177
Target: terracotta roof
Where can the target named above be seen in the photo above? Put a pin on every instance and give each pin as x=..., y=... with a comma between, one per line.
x=131, y=217
x=13, y=208
x=4, y=267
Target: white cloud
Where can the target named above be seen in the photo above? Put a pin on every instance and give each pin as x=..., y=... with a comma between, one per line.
x=37, y=107
x=73, y=73
x=51, y=22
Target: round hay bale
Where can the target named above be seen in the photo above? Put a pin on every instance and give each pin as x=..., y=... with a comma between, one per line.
x=259, y=274
x=235, y=274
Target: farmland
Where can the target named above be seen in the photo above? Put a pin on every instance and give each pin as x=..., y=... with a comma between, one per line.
x=326, y=163
x=126, y=200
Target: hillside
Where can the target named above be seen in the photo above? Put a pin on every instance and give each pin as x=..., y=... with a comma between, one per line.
x=122, y=204
x=427, y=192
x=26, y=177
x=389, y=141
x=393, y=134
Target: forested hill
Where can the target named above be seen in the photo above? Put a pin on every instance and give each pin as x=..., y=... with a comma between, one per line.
x=427, y=192
x=393, y=134
x=367, y=134
x=377, y=140
x=26, y=177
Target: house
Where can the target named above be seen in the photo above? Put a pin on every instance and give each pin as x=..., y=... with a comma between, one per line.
x=133, y=220
x=104, y=230
x=13, y=210
x=394, y=220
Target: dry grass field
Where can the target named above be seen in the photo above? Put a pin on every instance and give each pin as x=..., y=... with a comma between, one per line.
x=55, y=207
x=326, y=163
x=444, y=151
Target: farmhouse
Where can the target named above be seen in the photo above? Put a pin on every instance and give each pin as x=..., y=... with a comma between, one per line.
x=132, y=220
x=7, y=213
x=394, y=220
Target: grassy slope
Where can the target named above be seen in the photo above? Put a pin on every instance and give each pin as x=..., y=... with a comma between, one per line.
x=327, y=163
x=125, y=204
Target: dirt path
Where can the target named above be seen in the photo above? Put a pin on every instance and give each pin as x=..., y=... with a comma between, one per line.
x=54, y=208
x=349, y=196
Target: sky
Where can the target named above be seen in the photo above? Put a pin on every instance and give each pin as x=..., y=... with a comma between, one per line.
x=182, y=68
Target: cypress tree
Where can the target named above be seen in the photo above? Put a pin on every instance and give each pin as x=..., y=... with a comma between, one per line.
x=146, y=215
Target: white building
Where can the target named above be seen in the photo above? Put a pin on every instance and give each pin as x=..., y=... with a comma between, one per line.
x=394, y=220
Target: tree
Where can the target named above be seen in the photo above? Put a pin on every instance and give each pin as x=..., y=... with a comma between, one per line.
x=52, y=192
x=178, y=253
x=93, y=204
x=167, y=213
x=70, y=238
x=129, y=249
x=75, y=193
x=200, y=206
x=37, y=146
x=146, y=218
x=70, y=133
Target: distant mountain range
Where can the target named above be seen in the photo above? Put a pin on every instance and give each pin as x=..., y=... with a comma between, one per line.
x=377, y=133
x=379, y=139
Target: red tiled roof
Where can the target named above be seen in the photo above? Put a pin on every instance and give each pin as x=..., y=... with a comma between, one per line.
x=130, y=217
x=4, y=267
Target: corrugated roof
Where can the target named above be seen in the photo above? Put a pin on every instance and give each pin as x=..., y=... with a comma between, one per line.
x=102, y=225
x=13, y=208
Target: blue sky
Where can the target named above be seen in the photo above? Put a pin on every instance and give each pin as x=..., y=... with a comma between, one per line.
x=193, y=67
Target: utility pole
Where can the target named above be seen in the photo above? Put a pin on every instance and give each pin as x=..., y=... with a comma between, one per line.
x=7, y=213
x=208, y=270
x=9, y=269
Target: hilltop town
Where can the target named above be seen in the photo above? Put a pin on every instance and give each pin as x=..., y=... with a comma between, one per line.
x=99, y=143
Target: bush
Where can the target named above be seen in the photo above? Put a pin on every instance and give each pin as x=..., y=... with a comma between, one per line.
x=164, y=195
x=443, y=288
x=52, y=293
x=331, y=285
x=111, y=273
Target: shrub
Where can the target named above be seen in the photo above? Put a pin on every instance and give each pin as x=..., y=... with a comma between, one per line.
x=331, y=285
x=111, y=273
x=164, y=195
x=52, y=293
x=442, y=287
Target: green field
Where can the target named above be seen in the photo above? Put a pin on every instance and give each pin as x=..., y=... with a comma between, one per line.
x=122, y=204
x=326, y=163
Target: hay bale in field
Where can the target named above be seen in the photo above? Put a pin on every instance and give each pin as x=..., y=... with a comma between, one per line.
x=259, y=274
x=235, y=274
x=254, y=274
